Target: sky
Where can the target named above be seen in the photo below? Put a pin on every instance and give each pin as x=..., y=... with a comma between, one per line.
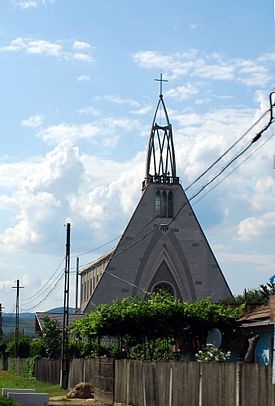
x=77, y=101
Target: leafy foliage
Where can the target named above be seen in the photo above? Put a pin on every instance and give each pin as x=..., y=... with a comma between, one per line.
x=212, y=354
x=24, y=347
x=135, y=321
x=50, y=338
x=258, y=296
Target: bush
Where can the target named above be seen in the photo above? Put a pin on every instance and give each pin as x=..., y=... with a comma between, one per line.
x=212, y=354
x=24, y=347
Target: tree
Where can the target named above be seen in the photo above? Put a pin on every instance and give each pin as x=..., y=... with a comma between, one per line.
x=259, y=296
x=51, y=338
x=134, y=321
x=24, y=347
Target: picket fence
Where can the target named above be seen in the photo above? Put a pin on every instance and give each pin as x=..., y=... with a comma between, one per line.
x=140, y=383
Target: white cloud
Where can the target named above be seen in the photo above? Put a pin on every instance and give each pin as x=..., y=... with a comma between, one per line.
x=70, y=132
x=26, y=4
x=118, y=100
x=142, y=110
x=81, y=57
x=212, y=66
x=97, y=131
x=84, y=78
x=81, y=45
x=90, y=110
x=40, y=202
x=33, y=121
x=183, y=92
x=58, y=49
x=252, y=228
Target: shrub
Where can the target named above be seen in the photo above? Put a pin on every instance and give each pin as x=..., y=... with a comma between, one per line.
x=212, y=354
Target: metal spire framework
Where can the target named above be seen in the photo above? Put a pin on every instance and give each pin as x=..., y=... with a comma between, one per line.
x=161, y=162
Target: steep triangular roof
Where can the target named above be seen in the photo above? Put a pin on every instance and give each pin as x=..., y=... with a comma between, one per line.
x=163, y=245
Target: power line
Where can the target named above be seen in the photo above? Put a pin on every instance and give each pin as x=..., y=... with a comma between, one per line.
x=254, y=139
x=229, y=149
x=196, y=194
x=199, y=177
x=48, y=294
x=233, y=170
x=97, y=248
x=34, y=297
x=43, y=287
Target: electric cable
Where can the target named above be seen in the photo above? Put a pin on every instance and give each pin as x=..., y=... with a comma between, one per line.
x=48, y=294
x=228, y=150
x=43, y=287
x=233, y=170
x=198, y=178
x=255, y=139
x=188, y=200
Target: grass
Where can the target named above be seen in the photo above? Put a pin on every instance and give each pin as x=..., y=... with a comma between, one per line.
x=6, y=402
x=12, y=380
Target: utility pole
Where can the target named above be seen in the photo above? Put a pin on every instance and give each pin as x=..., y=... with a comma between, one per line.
x=16, y=331
x=76, y=283
x=64, y=375
x=1, y=323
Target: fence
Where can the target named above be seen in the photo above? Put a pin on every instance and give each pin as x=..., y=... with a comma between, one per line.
x=46, y=370
x=137, y=383
x=192, y=384
x=97, y=371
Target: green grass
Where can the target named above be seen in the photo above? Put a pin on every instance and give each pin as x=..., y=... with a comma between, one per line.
x=12, y=380
x=6, y=402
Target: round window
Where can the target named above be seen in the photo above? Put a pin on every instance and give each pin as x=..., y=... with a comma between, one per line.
x=164, y=287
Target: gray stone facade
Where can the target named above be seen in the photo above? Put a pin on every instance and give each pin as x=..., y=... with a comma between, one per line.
x=163, y=246
x=161, y=250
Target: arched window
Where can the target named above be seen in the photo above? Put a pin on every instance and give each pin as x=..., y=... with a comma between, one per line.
x=157, y=203
x=163, y=206
x=165, y=287
x=170, y=204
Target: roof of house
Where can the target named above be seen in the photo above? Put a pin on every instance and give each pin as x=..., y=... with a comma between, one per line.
x=54, y=316
x=261, y=316
x=104, y=258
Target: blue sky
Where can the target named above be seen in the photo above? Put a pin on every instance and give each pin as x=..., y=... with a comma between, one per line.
x=77, y=100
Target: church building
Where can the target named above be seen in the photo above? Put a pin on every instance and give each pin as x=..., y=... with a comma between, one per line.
x=163, y=246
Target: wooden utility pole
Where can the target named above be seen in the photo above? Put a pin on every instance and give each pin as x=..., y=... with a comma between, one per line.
x=1, y=324
x=64, y=375
x=76, y=282
x=16, y=331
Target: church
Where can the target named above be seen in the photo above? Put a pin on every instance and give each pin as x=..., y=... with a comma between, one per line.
x=163, y=246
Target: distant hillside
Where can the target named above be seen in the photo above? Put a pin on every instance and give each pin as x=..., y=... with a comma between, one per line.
x=60, y=310
x=26, y=324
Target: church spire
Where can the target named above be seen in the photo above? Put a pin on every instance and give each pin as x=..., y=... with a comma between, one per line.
x=160, y=162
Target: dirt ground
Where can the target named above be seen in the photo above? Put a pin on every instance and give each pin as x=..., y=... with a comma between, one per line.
x=59, y=401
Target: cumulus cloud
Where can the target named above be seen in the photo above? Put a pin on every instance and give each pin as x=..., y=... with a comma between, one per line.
x=58, y=49
x=81, y=45
x=71, y=132
x=211, y=66
x=252, y=228
x=41, y=200
x=33, y=121
x=105, y=127
x=183, y=92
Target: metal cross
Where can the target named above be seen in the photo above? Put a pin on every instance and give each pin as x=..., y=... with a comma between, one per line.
x=161, y=80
